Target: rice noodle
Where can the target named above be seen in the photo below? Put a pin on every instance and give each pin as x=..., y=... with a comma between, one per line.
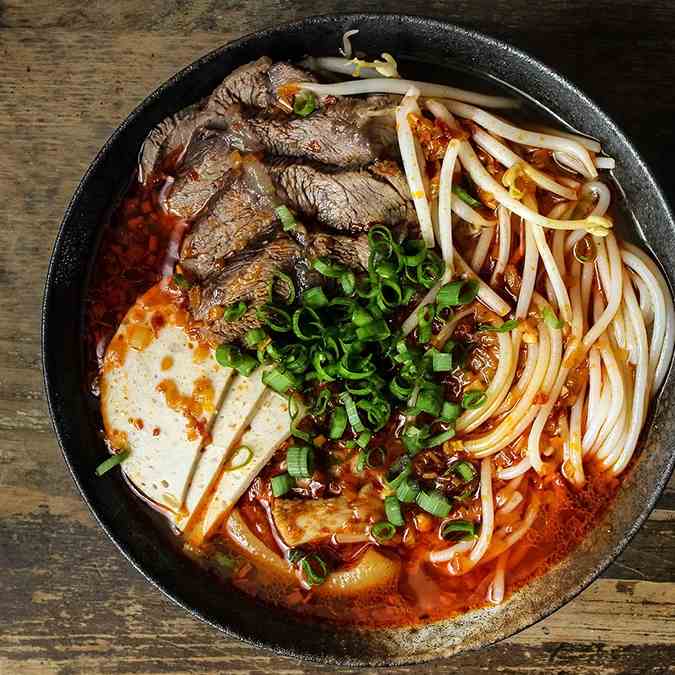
x=384, y=85
x=445, y=203
x=594, y=224
x=496, y=590
x=605, y=163
x=413, y=162
x=504, y=220
x=508, y=158
x=588, y=143
x=482, y=248
x=523, y=137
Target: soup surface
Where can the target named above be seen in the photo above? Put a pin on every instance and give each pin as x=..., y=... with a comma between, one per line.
x=370, y=346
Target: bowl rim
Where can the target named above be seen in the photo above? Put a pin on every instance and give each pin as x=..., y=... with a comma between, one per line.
x=49, y=377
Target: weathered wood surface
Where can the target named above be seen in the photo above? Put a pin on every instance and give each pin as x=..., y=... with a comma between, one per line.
x=69, y=73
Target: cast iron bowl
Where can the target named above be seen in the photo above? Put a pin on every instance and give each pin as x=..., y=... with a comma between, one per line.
x=128, y=523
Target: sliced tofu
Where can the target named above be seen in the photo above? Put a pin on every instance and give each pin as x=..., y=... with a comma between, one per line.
x=160, y=392
x=300, y=521
x=269, y=428
x=239, y=406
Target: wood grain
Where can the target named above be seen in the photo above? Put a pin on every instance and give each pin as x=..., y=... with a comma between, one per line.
x=71, y=71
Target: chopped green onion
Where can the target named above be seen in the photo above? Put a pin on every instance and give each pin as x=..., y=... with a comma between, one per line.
x=111, y=462
x=407, y=491
x=457, y=529
x=352, y=412
x=307, y=324
x=399, y=390
x=287, y=219
x=304, y=103
x=429, y=400
x=328, y=269
x=229, y=356
x=394, y=482
x=504, y=328
x=430, y=270
x=274, y=317
x=181, y=281
x=363, y=439
x=281, y=484
x=465, y=196
x=382, y=531
x=378, y=411
x=551, y=319
x=414, y=252
x=363, y=460
x=338, y=423
x=287, y=282
x=465, y=470
x=279, y=380
x=450, y=411
x=254, y=337
x=460, y=292
x=441, y=362
x=314, y=569
x=373, y=331
x=361, y=317
x=392, y=509
x=434, y=503
x=321, y=402
x=473, y=399
x=300, y=461
x=348, y=365
x=242, y=462
x=314, y=297
x=348, y=282
x=441, y=438
x=414, y=438
x=235, y=311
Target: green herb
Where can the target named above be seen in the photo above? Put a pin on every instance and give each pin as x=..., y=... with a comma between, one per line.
x=551, y=319
x=465, y=196
x=503, y=328
x=111, y=462
x=287, y=219
x=281, y=484
x=304, y=103
x=473, y=399
x=382, y=531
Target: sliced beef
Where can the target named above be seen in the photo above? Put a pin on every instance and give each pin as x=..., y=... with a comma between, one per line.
x=208, y=158
x=353, y=252
x=344, y=200
x=246, y=277
x=240, y=215
x=247, y=84
x=176, y=132
x=345, y=133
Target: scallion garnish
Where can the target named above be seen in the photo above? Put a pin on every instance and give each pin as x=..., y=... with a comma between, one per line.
x=465, y=470
x=473, y=399
x=455, y=293
x=279, y=380
x=287, y=219
x=254, y=337
x=434, y=503
x=304, y=103
x=407, y=490
x=551, y=319
x=180, y=281
x=457, y=529
x=465, y=196
x=338, y=423
x=382, y=531
x=235, y=311
x=281, y=484
x=300, y=461
x=392, y=509
x=441, y=362
x=450, y=411
x=314, y=298
x=314, y=569
x=111, y=462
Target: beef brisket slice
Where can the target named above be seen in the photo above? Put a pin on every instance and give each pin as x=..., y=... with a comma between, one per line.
x=244, y=277
x=240, y=215
x=343, y=134
x=344, y=200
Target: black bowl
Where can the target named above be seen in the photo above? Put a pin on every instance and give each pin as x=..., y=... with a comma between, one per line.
x=435, y=50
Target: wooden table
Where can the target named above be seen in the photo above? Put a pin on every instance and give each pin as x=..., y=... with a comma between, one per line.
x=70, y=72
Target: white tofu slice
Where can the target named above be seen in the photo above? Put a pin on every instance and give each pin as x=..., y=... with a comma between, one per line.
x=269, y=428
x=240, y=404
x=160, y=392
